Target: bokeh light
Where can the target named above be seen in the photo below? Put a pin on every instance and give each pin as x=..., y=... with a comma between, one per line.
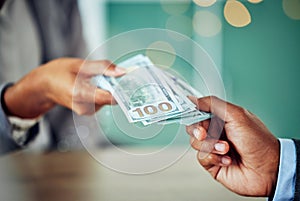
x=255, y=1
x=161, y=53
x=292, y=8
x=175, y=7
x=206, y=23
x=204, y=3
x=236, y=14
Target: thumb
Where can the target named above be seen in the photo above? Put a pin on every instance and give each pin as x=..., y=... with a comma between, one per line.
x=105, y=67
x=219, y=107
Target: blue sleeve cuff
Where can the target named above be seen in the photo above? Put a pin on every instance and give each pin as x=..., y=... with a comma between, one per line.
x=285, y=187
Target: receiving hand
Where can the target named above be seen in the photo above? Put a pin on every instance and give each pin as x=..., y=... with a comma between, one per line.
x=246, y=157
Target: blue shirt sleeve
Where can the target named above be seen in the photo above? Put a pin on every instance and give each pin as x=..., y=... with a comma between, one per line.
x=285, y=187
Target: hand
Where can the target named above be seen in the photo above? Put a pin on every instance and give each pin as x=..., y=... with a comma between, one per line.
x=246, y=157
x=64, y=81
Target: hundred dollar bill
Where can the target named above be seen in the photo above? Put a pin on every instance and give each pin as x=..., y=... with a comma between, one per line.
x=183, y=88
x=149, y=95
x=182, y=99
x=141, y=94
x=180, y=89
x=187, y=120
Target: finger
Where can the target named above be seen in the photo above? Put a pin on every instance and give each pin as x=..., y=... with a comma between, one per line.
x=204, y=146
x=105, y=67
x=222, y=109
x=215, y=128
x=196, y=131
x=91, y=104
x=113, y=101
x=211, y=146
x=98, y=107
x=84, y=92
x=212, y=160
x=103, y=97
x=84, y=108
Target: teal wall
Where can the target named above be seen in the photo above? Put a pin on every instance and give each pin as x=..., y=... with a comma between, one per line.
x=123, y=17
x=128, y=16
x=260, y=63
x=262, y=67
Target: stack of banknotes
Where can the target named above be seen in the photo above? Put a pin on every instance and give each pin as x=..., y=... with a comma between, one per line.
x=149, y=94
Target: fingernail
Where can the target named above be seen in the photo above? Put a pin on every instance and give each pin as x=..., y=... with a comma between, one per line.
x=225, y=160
x=196, y=133
x=220, y=147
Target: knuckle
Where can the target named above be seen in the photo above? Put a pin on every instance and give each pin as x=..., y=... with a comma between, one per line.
x=78, y=110
x=77, y=61
x=106, y=63
x=77, y=64
x=242, y=113
x=194, y=146
x=213, y=98
x=78, y=95
x=202, y=158
x=188, y=130
x=210, y=157
x=82, y=110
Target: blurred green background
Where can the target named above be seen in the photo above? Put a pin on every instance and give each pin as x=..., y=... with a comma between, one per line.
x=259, y=63
x=262, y=65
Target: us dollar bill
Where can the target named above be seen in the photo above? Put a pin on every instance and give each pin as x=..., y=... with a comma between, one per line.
x=141, y=94
x=150, y=95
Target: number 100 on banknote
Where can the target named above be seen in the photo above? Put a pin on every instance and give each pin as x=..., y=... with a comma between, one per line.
x=152, y=110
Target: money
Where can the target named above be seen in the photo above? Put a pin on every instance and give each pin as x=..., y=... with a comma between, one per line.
x=150, y=95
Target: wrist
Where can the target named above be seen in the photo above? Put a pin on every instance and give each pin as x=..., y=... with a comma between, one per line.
x=275, y=170
x=26, y=98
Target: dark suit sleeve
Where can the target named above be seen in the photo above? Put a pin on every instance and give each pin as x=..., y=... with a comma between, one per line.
x=60, y=29
x=7, y=144
x=297, y=183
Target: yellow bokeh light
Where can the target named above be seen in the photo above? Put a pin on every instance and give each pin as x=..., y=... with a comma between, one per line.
x=236, y=14
x=255, y=1
x=161, y=53
x=292, y=8
x=206, y=23
x=204, y=3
